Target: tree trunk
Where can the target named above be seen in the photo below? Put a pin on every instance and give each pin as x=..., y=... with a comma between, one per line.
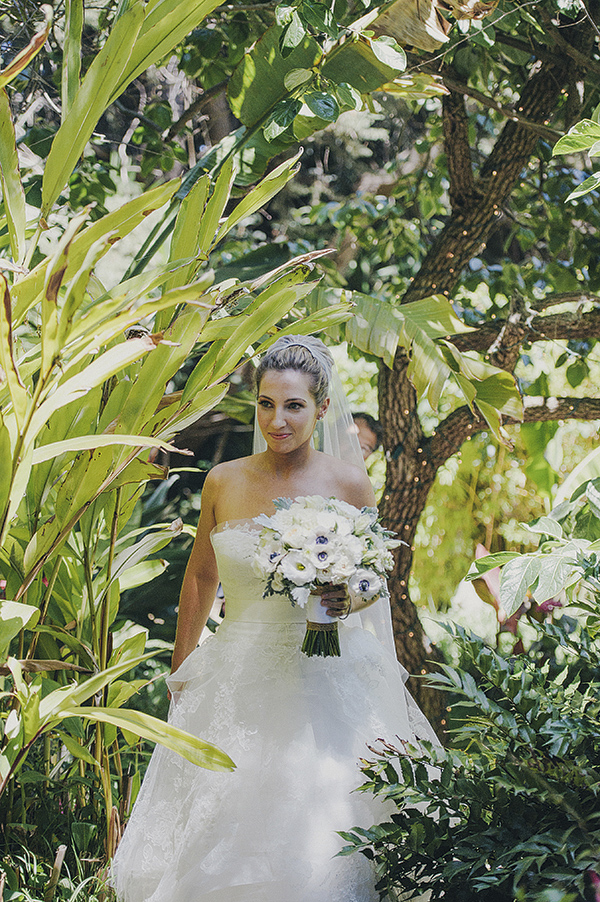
x=414, y=458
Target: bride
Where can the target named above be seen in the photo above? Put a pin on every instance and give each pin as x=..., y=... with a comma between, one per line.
x=295, y=726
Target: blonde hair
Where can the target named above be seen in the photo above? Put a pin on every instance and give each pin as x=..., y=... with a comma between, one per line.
x=302, y=353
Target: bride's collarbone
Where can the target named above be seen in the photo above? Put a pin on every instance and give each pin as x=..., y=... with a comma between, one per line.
x=247, y=503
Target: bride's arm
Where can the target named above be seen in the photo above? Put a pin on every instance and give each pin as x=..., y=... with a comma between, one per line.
x=200, y=581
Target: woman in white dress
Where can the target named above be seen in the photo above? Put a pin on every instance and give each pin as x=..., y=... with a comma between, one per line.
x=295, y=726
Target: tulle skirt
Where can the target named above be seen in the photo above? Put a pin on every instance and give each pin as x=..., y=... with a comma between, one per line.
x=296, y=728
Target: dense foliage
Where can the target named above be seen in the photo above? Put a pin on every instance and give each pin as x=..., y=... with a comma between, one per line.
x=510, y=810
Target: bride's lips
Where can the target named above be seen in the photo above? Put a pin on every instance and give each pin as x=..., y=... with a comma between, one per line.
x=279, y=436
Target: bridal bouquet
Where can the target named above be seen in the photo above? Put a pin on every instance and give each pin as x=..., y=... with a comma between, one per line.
x=314, y=541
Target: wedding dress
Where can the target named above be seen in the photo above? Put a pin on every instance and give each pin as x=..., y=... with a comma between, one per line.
x=295, y=727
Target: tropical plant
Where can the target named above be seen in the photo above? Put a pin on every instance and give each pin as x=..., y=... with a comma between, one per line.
x=509, y=811
x=85, y=368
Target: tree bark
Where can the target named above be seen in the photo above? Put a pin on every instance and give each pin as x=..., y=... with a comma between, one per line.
x=414, y=458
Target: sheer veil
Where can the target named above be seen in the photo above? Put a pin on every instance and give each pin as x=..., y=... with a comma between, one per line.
x=336, y=435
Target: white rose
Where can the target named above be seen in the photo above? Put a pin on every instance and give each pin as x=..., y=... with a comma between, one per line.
x=296, y=536
x=313, y=502
x=347, y=510
x=353, y=548
x=362, y=523
x=341, y=569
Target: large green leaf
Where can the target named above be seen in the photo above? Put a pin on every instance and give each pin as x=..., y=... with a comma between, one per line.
x=55, y=274
x=167, y=423
x=105, y=366
x=71, y=66
x=421, y=328
x=260, y=195
x=190, y=747
x=28, y=290
x=581, y=136
x=18, y=392
x=53, y=705
x=165, y=25
x=258, y=82
x=101, y=328
x=10, y=181
x=161, y=366
x=26, y=55
x=6, y=454
x=185, y=240
x=92, y=98
x=88, y=442
x=214, y=208
x=14, y=617
x=260, y=316
x=147, y=545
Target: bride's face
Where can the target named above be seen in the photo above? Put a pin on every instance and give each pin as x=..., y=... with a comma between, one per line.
x=287, y=412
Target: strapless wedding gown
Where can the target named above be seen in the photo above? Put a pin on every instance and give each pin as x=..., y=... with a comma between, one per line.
x=295, y=727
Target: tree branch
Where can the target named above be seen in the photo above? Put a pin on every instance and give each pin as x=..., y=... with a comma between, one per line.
x=565, y=297
x=533, y=48
x=554, y=34
x=549, y=134
x=458, y=150
x=555, y=327
x=462, y=423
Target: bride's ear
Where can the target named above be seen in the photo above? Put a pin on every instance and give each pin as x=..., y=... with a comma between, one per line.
x=323, y=409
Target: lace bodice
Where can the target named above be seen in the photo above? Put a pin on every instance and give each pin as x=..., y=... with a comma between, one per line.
x=234, y=544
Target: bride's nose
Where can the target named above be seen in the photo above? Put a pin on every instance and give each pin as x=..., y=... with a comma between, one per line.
x=279, y=417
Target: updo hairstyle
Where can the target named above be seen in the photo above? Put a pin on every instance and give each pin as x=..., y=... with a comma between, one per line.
x=304, y=354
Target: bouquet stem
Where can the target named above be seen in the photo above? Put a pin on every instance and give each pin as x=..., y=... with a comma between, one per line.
x=321, y=639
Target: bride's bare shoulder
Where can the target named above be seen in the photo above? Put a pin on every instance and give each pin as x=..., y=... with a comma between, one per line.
x=351, y=481
x=230, y=471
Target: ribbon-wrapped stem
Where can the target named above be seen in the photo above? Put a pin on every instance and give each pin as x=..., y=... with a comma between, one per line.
x=322, y=637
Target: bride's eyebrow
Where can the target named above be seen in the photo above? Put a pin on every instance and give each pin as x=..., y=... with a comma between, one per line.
x=262, y=397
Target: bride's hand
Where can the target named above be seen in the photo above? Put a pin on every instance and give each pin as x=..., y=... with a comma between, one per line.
x=335, y=599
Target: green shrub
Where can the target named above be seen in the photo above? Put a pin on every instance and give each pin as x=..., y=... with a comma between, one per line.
x=511, y=811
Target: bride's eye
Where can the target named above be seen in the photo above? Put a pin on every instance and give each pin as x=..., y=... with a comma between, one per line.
x=264, y=403
x=295, y=405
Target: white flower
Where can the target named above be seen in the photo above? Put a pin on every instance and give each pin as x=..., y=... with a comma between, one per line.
x=313, y=502
x=300, y=595
x=362, y=523
x=298, y=536
x=321, y=555
x=266, y=559
x=297, y=567
x=341, y=569
x=277, y=583
x=353, y=548
x=328, y=521
x=347, y=510
x=366, y=584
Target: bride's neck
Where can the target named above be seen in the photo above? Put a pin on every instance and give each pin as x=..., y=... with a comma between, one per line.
x=288, y=466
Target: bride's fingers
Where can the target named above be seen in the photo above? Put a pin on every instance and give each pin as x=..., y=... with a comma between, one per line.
x=336, y=601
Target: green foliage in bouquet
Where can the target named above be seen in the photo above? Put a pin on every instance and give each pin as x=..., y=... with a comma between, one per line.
x=510, y=811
